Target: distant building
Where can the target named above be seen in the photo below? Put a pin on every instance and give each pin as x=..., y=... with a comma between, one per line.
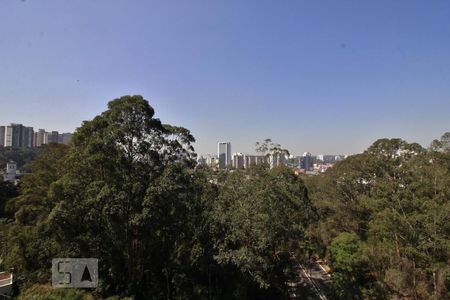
x=212, y=161
x=17, y=135
x=224, y=154
x=53, y=137
x=277, y=159
x=329, y=159
x=8, y=136
x=339, y=157
x=35, y=137
x=292, y=161
x=306, y=162
x=44, y=137
x=2, y=136
x=11, y=172
x=237, y=160
x=260, y=159
x=21, y=136
x=41, y=138
x=28, y=137
x=250, y=160
x=201, y=160
x=321, y=168
x=66, y=138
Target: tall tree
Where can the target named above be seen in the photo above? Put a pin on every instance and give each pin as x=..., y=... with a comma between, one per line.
x=261, y=214
x=394, y=196
x=110, y=169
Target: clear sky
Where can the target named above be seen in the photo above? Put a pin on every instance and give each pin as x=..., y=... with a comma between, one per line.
x=319, y=76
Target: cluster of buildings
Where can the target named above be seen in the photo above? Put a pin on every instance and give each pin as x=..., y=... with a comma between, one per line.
x=305, y=163
x=20, y=136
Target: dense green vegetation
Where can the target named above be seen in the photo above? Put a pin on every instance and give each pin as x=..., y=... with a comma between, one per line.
x=384, y=221
x=127, y=191
x=21, y=156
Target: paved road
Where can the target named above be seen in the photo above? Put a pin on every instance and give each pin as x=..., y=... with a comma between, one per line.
x=312, y=281
x=320, y=278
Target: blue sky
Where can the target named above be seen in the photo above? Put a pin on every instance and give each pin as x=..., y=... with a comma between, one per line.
x=318, y=76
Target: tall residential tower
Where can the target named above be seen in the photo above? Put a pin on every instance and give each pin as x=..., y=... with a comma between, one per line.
x=2, y=136
x=224, y=154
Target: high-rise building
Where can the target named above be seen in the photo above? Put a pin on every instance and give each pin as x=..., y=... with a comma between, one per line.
x=28, y=137
x=66, y=138
x=328, y=159
x=306, y=162
x=250, y=160
x=53, y=137
x=212, y=161
x=8, y=136
x=45, y=138
x=2, y=136
x=237, y=160
x=35, y=138
x=40, y=138
x=17, y=135
x=224, y=154
x=277, y=159
x=260, y=159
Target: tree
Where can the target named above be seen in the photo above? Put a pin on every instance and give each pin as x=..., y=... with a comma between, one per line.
x=33, y=205
x=21, y=156
x=394, y=197
x=273, y=153
x=443, y=144
x=113, y=163
x=261, y=214
x=24, y=248
x=7, y=192
x=267, y=147
x=350, y=267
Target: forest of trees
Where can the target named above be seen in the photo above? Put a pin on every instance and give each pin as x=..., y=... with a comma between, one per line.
x=385, y=221
x=127, y=191
x=21, y=156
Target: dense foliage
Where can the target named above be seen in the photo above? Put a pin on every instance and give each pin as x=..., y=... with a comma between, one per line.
x=127, y=191
x=385, y=221
x=21, y=156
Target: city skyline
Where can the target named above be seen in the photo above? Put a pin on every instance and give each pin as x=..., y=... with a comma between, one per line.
x=250, y=148
x=17, y=135
x=300, y=73
x=37, y=130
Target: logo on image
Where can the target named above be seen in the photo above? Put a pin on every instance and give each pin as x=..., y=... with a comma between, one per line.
x=74, y=272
